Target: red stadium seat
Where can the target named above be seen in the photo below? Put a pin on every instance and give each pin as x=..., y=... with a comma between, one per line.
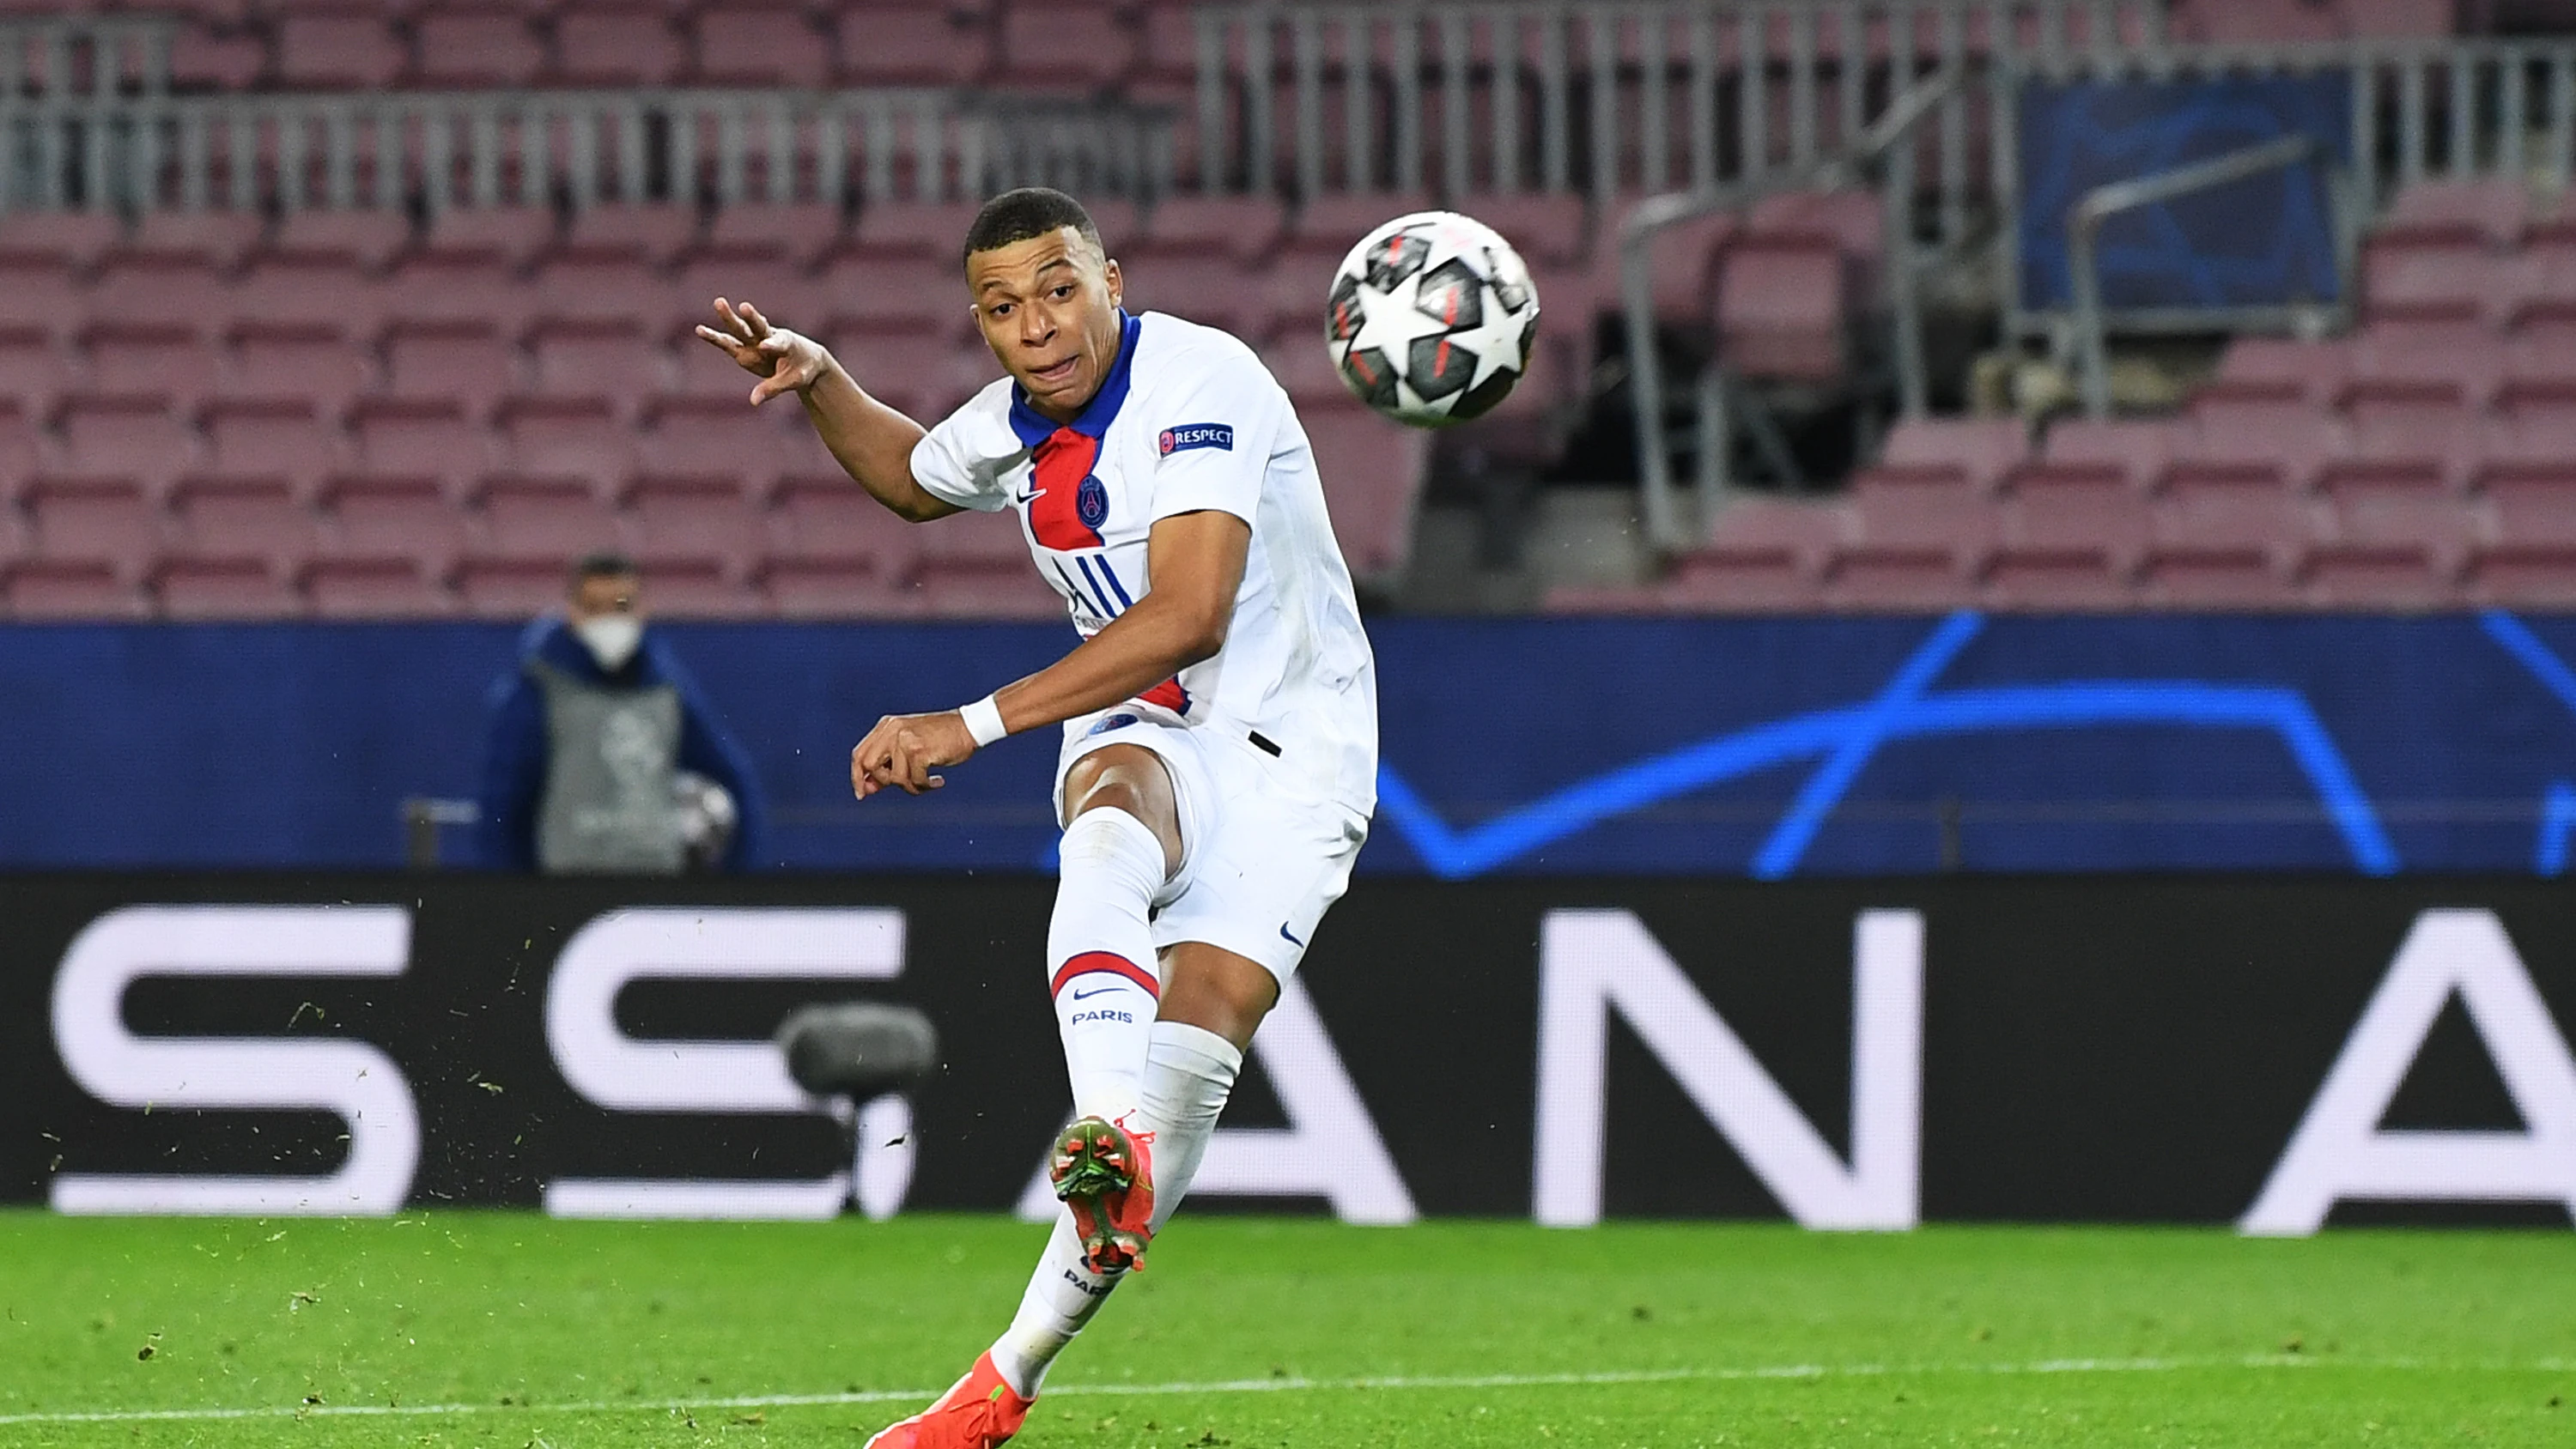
x=1548, y=229
x=215, y=241
x=2399, y=575
x=369, y=240
x=2454, y=281
x=971, y=541
x=2489, y=212
x=469, y=362
x=955, y=589
x=1681, y=266
x=1245, y=229
x=1373, y=473
x=60, y=589
x=729, y=442
x=877, y=293
x=926, y=231
x=1064, y=45
x=1977, y=452
x=605, y=43
x=786, y=294
x=1217, y=291
x=2063, y=576
x=614, y=361
x=656, y=236
x=474, y=47
x=314, y=292
x=836, y=588
x=2262, y=365
x=696, y=586
x=312, y=364
x=2523, y=576
x=391, y=587
x=136, y=438
x=108, y=522
x=2057, y=508
x=2462, y=358
x=1762, y=554
x=758, y=43
x=2397, y=19
x=1897, y=577
x=352, y=49
x=698, y=518
x=173, y=364
x=2214, y=576
x=374, y=516
x=2208, y=526
x=798, y=233
x=509, y=588
x=224, y=588
x=509, y=237
x=2535, y=506
x=31, y=370
x=421, y=438
x=896, y=42
x=1782, y=311
x=208, y=55
x=551, y=519
x=925, y=377
x=66, y=242
x=575, y=438
x=822, y=519
x=2415, y=431
x=2280, y=440
x=2256, y=21
x=272, y=438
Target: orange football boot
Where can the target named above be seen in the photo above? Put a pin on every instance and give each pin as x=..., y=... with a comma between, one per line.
x=978, y=1412
x=1105, y=1173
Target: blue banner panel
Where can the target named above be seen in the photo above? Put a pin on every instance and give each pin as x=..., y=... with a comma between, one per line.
x=2267, y=241
x=1763, y=747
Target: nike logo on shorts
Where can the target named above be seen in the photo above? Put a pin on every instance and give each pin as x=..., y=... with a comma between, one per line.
x=1293, y=941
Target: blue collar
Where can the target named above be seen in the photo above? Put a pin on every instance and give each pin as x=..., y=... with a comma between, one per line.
x=1034, y=427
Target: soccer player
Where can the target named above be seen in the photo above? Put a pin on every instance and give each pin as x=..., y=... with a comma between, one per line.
x=1219, y=716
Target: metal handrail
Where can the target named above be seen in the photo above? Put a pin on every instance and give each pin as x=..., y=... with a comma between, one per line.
x=1656, y=213
x=2084, y=224
x=484, y=148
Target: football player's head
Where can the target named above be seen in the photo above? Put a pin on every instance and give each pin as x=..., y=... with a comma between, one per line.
x=1046, y=295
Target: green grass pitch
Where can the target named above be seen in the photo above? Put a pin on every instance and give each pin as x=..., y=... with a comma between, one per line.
x=509, y=1330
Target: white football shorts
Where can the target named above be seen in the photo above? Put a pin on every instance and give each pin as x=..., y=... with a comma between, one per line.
x=1260, y=862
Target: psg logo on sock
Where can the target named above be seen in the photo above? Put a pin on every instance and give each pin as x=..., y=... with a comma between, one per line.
x=1091, y=502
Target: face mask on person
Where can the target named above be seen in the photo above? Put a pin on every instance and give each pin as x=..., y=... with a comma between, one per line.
x=611, y=638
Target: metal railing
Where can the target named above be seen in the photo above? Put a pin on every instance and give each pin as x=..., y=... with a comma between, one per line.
x=86, y=55
x=488, y=148
x=2084, y=226
x=1887, y=146
x=1605, y=98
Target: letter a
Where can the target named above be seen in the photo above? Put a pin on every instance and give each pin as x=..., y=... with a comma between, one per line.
x=2340, y=1151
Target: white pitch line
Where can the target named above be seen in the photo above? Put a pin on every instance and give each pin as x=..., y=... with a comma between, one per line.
x=1293, y=1385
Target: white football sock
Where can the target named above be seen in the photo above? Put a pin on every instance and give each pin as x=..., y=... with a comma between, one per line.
x=1100, y=953
x=1189, y=1072
x=1062, y=1296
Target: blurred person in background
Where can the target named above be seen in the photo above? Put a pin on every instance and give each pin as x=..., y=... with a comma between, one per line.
x=603, y=756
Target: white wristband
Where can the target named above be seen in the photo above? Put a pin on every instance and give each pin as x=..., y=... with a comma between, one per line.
x=983, y=721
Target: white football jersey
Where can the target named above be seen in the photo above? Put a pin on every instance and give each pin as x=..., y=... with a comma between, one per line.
x=1188, y=419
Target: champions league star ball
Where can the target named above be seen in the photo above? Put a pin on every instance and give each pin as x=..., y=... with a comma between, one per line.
x=1432, y=319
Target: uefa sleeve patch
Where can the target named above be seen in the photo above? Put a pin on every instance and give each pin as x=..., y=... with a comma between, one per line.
x=1219, y=436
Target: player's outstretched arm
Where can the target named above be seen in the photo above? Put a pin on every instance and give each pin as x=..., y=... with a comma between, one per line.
x=1196, y=562
x=873, y=442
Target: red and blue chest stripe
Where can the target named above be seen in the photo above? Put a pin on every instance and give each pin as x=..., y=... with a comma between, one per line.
x=1067, y=502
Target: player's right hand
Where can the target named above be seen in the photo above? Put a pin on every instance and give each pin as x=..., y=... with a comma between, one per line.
x=784, y=361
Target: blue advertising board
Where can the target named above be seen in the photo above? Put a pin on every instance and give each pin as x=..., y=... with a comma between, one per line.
x=2265, y=242
x=1762, y=747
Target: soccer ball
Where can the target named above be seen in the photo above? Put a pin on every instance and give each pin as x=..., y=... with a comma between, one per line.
x=1432, y=319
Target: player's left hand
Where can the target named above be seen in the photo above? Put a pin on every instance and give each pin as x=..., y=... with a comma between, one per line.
x=903, y=749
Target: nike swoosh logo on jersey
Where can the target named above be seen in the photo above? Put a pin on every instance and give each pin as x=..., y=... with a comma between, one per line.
x=1097, y=991
x=1293, y=941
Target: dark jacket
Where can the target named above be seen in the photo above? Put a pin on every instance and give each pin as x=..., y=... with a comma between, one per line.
x=514, y=767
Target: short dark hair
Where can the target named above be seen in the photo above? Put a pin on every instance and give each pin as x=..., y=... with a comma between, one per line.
x=606, y=563
x=1030, y=211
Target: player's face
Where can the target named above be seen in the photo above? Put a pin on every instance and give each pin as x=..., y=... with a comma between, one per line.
x=1049, y=310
